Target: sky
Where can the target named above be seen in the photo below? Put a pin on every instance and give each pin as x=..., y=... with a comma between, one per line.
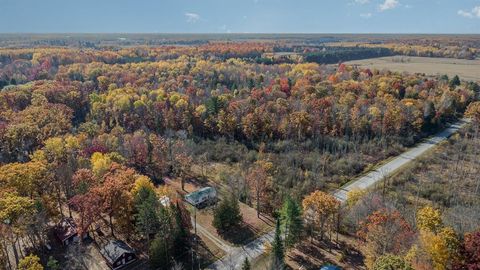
x=240, y=16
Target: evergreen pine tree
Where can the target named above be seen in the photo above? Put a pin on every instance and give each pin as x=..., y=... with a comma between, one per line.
x=277, y=249
x=181, y=237
x=454, y=82
x=158, y=253
x=146, y=218
x=292, y=222
x=52, y=263
x=246, y=264
x=227, y=214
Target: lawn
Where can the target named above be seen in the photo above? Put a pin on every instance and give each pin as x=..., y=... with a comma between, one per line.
x=213, y=249
x=251, y=227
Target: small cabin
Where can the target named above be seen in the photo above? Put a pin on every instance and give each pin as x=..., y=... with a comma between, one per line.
x=202, y=197
x=66, y=231
x=118, y=254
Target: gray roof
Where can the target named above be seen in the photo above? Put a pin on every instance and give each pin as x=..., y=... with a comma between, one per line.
x=195, y=196
x=114, y=249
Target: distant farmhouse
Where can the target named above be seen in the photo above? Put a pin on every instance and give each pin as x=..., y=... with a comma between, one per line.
x=66, y=231
x=202, y=197
x=118, y=254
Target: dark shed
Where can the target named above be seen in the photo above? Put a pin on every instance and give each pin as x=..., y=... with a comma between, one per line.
x=118, y=254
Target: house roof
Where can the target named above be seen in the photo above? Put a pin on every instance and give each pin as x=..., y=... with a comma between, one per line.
x=65, y=229
x=195, y=196
x=330, y=267
x=114, y=249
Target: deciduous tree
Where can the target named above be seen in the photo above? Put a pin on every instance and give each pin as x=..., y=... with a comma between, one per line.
x=391, y=262
x=30, y=262
x=383, y=232
x=319, y=209
x=429, y=219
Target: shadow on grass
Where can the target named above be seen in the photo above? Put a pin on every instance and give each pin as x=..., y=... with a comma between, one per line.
x=239, y=235
x=268, y=220
x=197, y=181
x=312, y=255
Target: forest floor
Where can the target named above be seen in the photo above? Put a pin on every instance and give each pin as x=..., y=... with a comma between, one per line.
x=313, y=254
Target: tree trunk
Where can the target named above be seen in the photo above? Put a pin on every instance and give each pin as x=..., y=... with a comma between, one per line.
x=7, y=256
x=59, y=198
x=258, y=202
x=15, y=252
x=338, y=223
x=111, y=224
x=322, y=226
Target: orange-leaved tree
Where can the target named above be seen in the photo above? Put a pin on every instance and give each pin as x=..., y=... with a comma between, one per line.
x=384, y=231
x=320, y=209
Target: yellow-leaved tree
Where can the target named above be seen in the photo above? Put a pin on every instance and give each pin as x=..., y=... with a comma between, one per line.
x=320, y=209
x=438, y=245
x=429, y=219
x=30, y=262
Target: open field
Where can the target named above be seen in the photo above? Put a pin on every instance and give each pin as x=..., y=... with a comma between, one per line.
x=465, y=69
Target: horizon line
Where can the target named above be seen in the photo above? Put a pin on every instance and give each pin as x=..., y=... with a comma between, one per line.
x=233, y=33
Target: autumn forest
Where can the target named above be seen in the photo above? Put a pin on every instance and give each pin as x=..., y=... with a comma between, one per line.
x=111, y=137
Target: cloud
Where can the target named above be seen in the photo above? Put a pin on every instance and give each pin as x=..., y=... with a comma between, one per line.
x=192, y=17
x=465, y=14
x=362, y=2
x=473, y=13
x=476, y=11
x=366, y=15
x=225, y=29
x=388, y=4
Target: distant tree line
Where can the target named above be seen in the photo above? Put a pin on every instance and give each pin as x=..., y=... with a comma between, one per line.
x=333, y=55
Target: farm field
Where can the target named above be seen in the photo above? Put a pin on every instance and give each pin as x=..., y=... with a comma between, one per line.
x=466, y=69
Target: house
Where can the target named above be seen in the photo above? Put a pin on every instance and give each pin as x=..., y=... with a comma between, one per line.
x=66, y=231
x=202, y=196
x=118, y=254
x=330, y=267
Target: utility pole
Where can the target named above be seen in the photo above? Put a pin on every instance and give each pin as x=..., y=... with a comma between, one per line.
x=195, y=245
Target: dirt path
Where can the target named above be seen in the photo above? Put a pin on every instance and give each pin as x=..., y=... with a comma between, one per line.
x=217, y=241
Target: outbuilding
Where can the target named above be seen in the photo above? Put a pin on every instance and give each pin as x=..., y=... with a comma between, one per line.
x=66, y=231
x=118, y=254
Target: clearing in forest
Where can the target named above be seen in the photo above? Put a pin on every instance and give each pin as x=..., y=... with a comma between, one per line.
x=466, y=69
